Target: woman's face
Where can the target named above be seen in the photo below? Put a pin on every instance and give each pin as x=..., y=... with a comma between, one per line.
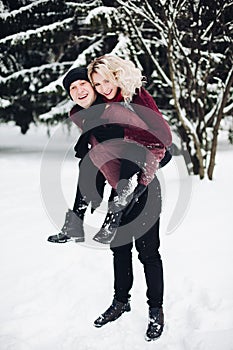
x=103, y=86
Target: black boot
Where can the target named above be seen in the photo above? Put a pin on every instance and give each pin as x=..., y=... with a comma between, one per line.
x=109, y=228
x=71, y=230
x=156, y=324
x=112, y=313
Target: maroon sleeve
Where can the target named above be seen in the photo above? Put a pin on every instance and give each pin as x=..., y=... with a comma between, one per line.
x=143, y=98
x=154, y=151
x=142, y=136
x=145, y=106
x=137, y=130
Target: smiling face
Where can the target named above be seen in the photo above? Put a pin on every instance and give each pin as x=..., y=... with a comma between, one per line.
x=82, y=93
x=103, y=86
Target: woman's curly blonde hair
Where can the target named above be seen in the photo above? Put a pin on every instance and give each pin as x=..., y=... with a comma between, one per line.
x=120, y=72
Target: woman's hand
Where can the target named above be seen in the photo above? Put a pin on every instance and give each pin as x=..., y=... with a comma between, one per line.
x=108, y=132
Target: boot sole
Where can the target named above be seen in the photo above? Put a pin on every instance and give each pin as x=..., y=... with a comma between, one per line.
x=99, y=325
x=151, y=339
x=67, y=241
x=98, y=239
x=78, y=240
x=101, y=241
x=61, y=242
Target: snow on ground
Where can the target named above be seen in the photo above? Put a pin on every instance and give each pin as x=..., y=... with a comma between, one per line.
x=51, y=294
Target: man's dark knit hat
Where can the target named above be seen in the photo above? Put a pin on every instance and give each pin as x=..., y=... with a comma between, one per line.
x=79, y=73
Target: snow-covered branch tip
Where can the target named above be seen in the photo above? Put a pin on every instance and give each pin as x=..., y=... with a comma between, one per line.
x=7, y=15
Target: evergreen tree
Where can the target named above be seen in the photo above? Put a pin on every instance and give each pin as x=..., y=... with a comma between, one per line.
x=183, y=47
x=39, y=42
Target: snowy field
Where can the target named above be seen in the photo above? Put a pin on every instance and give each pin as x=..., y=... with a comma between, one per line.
x=51, y=294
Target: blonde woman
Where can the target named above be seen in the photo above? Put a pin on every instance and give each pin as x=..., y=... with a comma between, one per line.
x=118, y=80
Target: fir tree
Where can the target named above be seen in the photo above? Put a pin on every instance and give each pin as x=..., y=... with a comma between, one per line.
x=183, y=47
x=39, y=42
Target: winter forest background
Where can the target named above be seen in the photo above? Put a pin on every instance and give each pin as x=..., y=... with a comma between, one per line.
x=184, y=48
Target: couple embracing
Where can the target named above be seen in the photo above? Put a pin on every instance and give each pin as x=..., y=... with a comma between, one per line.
x=124, y=140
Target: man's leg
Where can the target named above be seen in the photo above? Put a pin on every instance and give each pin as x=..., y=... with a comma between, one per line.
x=148, y=249
x=123, y=271
x=147, y=246
x=123, y=281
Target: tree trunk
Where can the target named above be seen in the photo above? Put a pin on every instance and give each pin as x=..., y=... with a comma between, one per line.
x=229, y=82
x=178, y=109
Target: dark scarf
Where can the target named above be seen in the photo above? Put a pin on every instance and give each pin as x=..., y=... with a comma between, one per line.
x=91, y=119
x=117, y=98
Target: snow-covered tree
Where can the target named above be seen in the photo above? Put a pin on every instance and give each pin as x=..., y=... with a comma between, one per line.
x=39, y=42
x=184, y=48
x=189, y=46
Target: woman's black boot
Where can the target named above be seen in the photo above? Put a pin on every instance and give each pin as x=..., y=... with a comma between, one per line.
x=109, y=228
x=71, y=230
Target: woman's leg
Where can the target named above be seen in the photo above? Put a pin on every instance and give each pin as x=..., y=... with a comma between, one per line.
x=90, y=187
x=87, y=191
x=80, y=204
x=115, y=212
x=73, y=224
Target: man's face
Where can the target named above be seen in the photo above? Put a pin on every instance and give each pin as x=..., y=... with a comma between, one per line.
x=82, y=93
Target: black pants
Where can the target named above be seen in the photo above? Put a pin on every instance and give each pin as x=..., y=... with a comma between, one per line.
x=91, y=183
x=142, y=224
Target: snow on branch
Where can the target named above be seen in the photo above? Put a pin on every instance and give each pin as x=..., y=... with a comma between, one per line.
x=107, y=12
x=79, y=62
x=7, y=15
x=85, y=5
x=122, y=47
x=61, y=108
x=216, y=108
x=25, y=36
x=225, y=89
x=204, y=35
x=4, y=103
x=90, y=51
x=31, y=74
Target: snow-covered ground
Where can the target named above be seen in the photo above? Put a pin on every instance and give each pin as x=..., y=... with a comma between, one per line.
x=51, y=294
